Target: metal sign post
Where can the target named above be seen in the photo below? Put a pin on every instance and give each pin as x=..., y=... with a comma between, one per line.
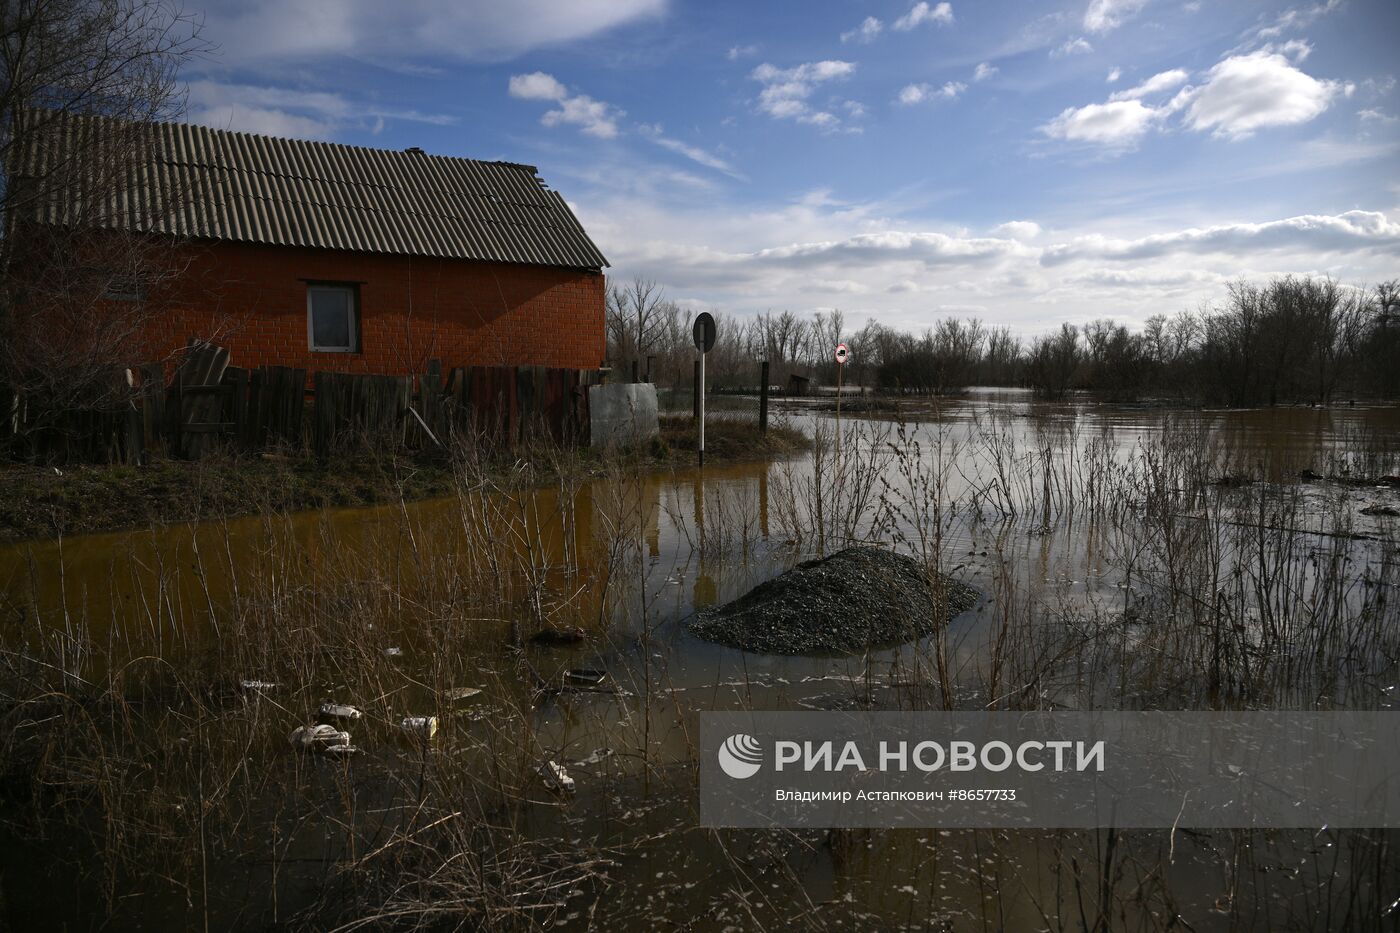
x=704, y=334
x=843, y=353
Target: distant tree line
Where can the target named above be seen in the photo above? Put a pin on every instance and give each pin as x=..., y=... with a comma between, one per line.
x=1292, y=339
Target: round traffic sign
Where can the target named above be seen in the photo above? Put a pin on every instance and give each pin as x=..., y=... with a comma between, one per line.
x=843, y=353
x=704, y=332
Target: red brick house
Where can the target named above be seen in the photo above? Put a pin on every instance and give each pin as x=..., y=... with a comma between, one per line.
x=334, y=257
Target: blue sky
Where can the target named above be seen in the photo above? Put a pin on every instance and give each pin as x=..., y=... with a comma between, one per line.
x=1030, y=163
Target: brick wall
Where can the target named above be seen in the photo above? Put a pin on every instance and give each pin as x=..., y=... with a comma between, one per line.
x=252, y=299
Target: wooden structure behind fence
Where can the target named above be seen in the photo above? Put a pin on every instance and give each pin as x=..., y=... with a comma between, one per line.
x=211, y=406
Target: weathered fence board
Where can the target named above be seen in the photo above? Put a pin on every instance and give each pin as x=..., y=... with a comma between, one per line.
x=210, y=404
x=202, y=395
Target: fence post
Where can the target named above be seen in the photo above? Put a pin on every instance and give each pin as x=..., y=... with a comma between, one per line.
x=236, y=377
x=133, y=445
x=430, y=397
x=763, y=398
x=524, y=403
x=322, y=407
x=174, y=405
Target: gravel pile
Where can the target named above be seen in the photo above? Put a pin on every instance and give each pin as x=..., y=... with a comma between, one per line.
x=859, y=598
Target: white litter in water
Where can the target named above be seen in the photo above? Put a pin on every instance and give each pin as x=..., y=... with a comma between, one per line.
x=422, y=726
x=556, y=778
x=338, y=711
x=305, y=738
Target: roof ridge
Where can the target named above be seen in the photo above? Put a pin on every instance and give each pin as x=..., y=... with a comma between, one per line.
x=192, y=124
x=253, y=187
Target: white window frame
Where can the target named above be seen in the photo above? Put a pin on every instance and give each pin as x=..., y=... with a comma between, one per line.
x=352, y=303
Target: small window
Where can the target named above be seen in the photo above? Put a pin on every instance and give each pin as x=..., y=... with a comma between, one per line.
x=330, y=318
x=124, y=286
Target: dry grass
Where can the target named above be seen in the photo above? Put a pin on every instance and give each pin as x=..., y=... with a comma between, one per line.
x=129, y=735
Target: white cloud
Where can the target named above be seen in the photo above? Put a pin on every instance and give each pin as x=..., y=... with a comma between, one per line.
x=1379, y=87
x=1114, y=125
x=869, y=30
x=537, y=86
x=1245, y=93
x=1163, y=81
x=413, y=30
x=1307, y=234
x=820, y=251
x=786, y=90
x=1106, y=15
x=1376, y=116
x=263, y=121
x=926, y=249
x=1133, y=279
x=983, y=71
x=737, y=52
x=918, y=93
x=290, y=112
x=1114, y=74
x=835, y=287
x=592, y=117
x=1238, y=96
x=656, y=134
x=921, y=13
x=1018, y=229
x=1076, y=46
x=1295, y=18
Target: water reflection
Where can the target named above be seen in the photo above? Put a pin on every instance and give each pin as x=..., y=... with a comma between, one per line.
x=731, y=534
x=1033, y=514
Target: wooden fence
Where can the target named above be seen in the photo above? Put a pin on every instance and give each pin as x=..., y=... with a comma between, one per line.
x=211, y=405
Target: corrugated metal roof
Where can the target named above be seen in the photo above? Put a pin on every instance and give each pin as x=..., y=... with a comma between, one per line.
x=194, y=181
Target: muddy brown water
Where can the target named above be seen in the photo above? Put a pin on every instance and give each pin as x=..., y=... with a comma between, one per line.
x=707, y=538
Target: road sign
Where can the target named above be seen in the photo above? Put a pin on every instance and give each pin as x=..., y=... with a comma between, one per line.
x=704, y=332
x=843, y=353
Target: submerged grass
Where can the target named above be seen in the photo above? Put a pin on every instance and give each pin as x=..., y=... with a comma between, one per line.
x=132, y=746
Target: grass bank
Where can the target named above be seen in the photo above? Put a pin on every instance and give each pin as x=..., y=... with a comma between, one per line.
x=46, y=501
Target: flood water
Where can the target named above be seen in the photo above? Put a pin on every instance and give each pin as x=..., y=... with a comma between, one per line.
x=1034, y=507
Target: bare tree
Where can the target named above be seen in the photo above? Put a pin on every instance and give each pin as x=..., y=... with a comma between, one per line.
x=1381, y=349
x=80, y=83
x=1001, y=357
x=639, y=319
x=1053, y=361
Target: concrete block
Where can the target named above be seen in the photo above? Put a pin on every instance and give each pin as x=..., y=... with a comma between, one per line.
x=622, y=413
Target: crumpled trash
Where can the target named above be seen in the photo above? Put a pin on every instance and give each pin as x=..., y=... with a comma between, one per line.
x=318, y=738
x=585, y=677
x=338, y=711
x=422, y=727
x=597, y=756
x=257, y=686
x=556, y=778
